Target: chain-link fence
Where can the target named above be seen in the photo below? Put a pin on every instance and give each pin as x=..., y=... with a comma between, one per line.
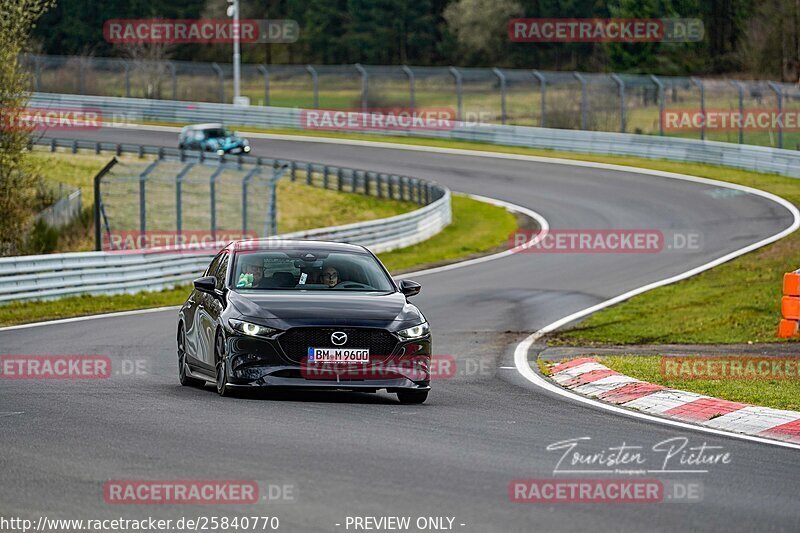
x=658, y=105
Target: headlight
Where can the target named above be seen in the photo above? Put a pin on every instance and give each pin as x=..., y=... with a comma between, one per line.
x=220, y=152
x=246, y=148
x=252, y=330
x=414, y=333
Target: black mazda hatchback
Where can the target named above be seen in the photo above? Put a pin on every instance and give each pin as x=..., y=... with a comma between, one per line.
x=303, y=314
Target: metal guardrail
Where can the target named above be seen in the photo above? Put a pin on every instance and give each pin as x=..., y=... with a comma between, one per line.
x=748, y=157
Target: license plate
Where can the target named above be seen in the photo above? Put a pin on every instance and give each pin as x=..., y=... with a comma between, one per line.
x=338, y=355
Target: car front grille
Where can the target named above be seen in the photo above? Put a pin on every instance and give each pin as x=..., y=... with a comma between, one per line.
x=295, y=342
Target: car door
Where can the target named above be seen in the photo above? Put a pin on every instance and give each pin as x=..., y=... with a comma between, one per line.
x=204, y=327
x=215, y=304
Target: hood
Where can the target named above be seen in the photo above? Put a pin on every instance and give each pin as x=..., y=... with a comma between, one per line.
x=334, y=309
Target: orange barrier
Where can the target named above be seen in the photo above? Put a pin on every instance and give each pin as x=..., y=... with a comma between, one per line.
x=790, y=306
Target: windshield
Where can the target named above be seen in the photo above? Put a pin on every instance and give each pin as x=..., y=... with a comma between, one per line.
x=309, y=270
x=218, y=132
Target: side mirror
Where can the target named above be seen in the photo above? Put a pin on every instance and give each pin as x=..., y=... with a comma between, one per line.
x=206, y=284
x=410, y=288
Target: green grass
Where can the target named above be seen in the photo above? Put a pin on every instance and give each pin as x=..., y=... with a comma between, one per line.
x=780, y=394
x=477, y=227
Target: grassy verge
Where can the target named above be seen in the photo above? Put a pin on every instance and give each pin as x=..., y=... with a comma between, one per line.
x=779, y=394
x=477, y=227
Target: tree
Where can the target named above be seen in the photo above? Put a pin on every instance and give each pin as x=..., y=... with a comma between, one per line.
x=17, y=181
x=480, y=26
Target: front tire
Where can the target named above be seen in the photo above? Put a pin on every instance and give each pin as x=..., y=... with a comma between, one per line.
x=183, y=376
x=222, y=366
x=412, y=397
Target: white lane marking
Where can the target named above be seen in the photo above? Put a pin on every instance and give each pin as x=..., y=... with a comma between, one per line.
x=91, y=317
x=11, y=413
x=544, y=225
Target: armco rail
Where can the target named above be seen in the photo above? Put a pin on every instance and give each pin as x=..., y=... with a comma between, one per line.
x=58, y=275
x=757, y=158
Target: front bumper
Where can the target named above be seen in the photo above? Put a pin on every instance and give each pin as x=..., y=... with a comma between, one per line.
x=254, y=362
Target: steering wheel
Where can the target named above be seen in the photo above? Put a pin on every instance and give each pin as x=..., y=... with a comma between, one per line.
x=350, y=285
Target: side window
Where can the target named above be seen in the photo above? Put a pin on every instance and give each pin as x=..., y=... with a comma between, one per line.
x=222, y=269
x=212, y=268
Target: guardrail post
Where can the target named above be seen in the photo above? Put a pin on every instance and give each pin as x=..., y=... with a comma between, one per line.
x=263, y=70
x=740, y=89
x=97, y=148
x=660, y=87
x=354, y=181
x=621, y=84
x=174, y=72
x=459, y=91
x=309, y=174
x=379, y=185
x=325, y=177
x=702, y=88
x=364, y=87
x=503, y=91
x=543, y=97
x=419, y=191
x=314, y=84
x=391, y=179
x=98, y=202
x=412, y=86
x=221, y=76
x=339, y=180
x=401, y=183
x=584, y=101
x=366, y=183
x=779, y=95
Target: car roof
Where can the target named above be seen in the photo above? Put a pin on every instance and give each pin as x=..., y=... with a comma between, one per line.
x=279, y=244
x=204, y=126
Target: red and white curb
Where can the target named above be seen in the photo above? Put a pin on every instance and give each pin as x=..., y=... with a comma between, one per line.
x=588, y=377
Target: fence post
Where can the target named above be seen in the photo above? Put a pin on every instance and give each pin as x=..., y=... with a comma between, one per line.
x=542, y=96
x=660, y=87
x=621, y=84
x=740, y=89
x=263, y=70
x=178, y=197
x=459, y=91
x=364, y=87
x=143, y=198
x=699, y=83
x=82, y=75
x=315, y=84
x=412, y=86
x=37, y=73
x=221, y=76
x=174, y=72
x=584, y=100
x=213, y=195
x=98, y=203
x=779, y=95
x=503, y=91
x=245, y=183
x=127, y=78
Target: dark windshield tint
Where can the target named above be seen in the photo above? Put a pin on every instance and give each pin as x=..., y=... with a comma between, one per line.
x=309, y=270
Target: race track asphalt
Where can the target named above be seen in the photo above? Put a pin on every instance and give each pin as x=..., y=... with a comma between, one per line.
x=350, y=454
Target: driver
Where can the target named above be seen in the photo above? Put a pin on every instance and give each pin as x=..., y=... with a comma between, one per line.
x=330, y=276
x=252, y=273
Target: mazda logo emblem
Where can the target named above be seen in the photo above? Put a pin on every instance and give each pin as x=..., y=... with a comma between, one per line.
x=338, y=338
